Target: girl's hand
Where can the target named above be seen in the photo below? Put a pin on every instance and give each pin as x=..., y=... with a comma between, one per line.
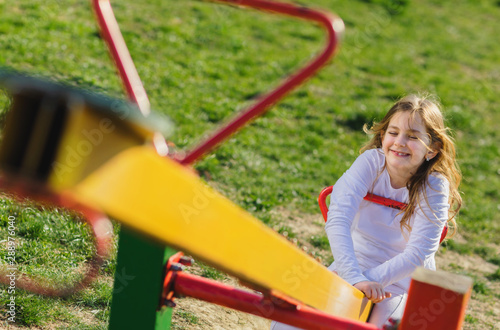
x=373, y=291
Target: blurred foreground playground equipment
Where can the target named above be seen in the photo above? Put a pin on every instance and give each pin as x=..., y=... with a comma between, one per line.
x=102, y=157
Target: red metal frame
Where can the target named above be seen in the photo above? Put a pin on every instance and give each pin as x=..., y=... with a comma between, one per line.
x=322, y=201
x=111, y=34
x=371, y=198
x=118, y=48
x=333, y=26
x=267, y=305
x=101, y=227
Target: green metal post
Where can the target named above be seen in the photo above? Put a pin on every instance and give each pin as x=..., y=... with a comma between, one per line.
x=138, y=284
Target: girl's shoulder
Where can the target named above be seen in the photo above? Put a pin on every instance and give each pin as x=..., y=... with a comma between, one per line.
x=438, y=182
x=375, y=153
x=368, y=165
x=375, y=156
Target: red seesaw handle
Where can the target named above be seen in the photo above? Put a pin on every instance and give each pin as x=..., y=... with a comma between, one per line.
x=118, y=48
x=101, y=227
x=334, y=28
x=133, y=85
x=371, y=198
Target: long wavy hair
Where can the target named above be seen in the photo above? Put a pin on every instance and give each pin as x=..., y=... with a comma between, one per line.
x=444, y=162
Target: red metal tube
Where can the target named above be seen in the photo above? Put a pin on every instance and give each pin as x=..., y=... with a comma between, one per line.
x=385, y=201
x=118, y=48
x=333, y=26
x=225, y=295
x=101, y=227
x=128, y=73
x=371, y=198
x=322, y=201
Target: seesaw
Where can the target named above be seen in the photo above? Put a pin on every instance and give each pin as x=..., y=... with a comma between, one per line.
x=94, y=155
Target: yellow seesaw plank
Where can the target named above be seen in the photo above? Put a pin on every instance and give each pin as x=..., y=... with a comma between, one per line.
x=97, y=150
x=160, y=198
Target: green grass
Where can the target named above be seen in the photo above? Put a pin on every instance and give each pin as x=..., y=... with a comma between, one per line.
x=189, y=317
x=495, y=276
x=470, y=319
x=320, y=242
x=202, y=62
x=210, y=272
x=286, y=231
x=52, y=246
x=481, y=287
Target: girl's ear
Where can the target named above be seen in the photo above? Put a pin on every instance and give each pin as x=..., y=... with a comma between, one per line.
x=431, y=154
x=434, y=150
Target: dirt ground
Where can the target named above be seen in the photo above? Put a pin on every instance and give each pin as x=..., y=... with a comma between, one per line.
x=483, y=311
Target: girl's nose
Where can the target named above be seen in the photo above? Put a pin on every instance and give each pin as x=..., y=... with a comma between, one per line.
x=400, y=140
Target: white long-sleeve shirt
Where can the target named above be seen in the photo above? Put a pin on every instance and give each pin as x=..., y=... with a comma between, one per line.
x=366, y=238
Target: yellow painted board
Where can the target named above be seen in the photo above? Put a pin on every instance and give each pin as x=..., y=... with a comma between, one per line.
x=90, y=139
x=166, y=201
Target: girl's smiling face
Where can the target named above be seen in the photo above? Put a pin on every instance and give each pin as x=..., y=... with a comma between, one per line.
x=406, y=146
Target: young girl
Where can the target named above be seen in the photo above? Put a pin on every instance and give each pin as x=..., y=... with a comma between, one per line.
x=411, y=159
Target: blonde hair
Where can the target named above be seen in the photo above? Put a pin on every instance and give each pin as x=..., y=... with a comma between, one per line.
x=444, y=162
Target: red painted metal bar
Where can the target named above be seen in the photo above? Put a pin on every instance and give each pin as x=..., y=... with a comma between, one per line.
x=101, y=227
x=225, y=295
x=118, y=48
x=128, y=73
x=333, y=26
x=371, y=198
x=322, y=201
x=385, y=201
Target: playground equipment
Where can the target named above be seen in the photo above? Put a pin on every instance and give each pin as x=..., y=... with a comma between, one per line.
x=97, y=156
x=371, y=198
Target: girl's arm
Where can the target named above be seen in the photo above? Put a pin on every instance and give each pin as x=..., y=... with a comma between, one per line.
x=346, y=196
x=424, y=238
